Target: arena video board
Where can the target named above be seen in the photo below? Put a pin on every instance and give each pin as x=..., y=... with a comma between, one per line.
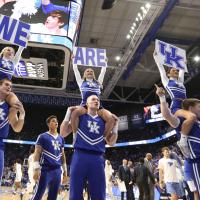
x=52, y=22
x=49, y=18
x=153, y=114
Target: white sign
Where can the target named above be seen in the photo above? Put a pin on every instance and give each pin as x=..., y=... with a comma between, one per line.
x=90, y=57
x=171, y=55
x=14, y=31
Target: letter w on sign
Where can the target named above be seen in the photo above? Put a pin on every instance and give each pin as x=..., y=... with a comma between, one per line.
x=170, y=55
x=14, y=31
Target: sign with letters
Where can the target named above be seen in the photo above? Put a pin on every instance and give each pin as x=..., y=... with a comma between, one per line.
x=171, y=55
x=32, y=68
x=90, y=57
x=14, y=31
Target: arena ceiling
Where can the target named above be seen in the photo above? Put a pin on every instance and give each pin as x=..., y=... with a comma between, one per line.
x=108, y=29
x=132, y=77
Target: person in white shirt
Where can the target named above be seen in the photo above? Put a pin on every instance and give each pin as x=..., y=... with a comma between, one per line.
x=108, y=173
x=168, y=175
x=30, y=171
x=18, y=177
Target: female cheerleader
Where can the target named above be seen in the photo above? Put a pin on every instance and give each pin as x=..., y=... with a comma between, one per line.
x=173, y=82
x=88, y=85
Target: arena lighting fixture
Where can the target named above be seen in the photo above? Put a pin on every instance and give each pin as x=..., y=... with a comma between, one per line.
x=197, y=58
x=142, y=8
x=131, y=31
x=144, y=12
x=128, y=37
x=148, y=5
x=117, y=58
x=140, y=16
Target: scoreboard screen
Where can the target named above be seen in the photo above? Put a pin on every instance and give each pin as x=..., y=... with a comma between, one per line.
x=54, y=25
x=49, y=17
x=34, y=68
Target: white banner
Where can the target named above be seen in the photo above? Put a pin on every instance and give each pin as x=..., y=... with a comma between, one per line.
x=14, y=31
x=171, y=55
x=90, y=57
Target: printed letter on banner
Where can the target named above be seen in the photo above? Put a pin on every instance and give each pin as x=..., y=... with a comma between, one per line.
x=171, y=55
x=14, y=31
x=90, y=57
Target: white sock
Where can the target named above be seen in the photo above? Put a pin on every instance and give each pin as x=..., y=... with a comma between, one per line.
x=115, y=129
x=67, y=115
x=183, y=138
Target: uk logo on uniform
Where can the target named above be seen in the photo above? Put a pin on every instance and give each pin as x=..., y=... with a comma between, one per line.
x=90, y=84
x=2, y=114
x=56, y=145
x=94, y=128
x=6, y=64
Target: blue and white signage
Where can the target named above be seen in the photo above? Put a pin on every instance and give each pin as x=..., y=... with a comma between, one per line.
x=90, y=57
x=171, y=55
x=33, y=68
x=14, y=31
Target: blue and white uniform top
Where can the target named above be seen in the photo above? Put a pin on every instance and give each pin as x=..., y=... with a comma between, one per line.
x=174, y=87
x=89, y=87
x=52, y=146
x=7, y=67
x=90, y=134
x=4, y=122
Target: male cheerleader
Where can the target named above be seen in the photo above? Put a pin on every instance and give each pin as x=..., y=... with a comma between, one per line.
x=192, y=164
x=49, y=150
x=8, y=116
x=89, y=145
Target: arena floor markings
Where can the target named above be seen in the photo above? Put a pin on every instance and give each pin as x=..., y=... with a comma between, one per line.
x=6, y=193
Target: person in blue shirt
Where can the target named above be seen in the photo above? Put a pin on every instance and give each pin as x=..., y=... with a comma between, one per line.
x=8, y=116
x=48, y=7
x=89, y=146
x=192, y=163
x=49, y=156
x=173, y=82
